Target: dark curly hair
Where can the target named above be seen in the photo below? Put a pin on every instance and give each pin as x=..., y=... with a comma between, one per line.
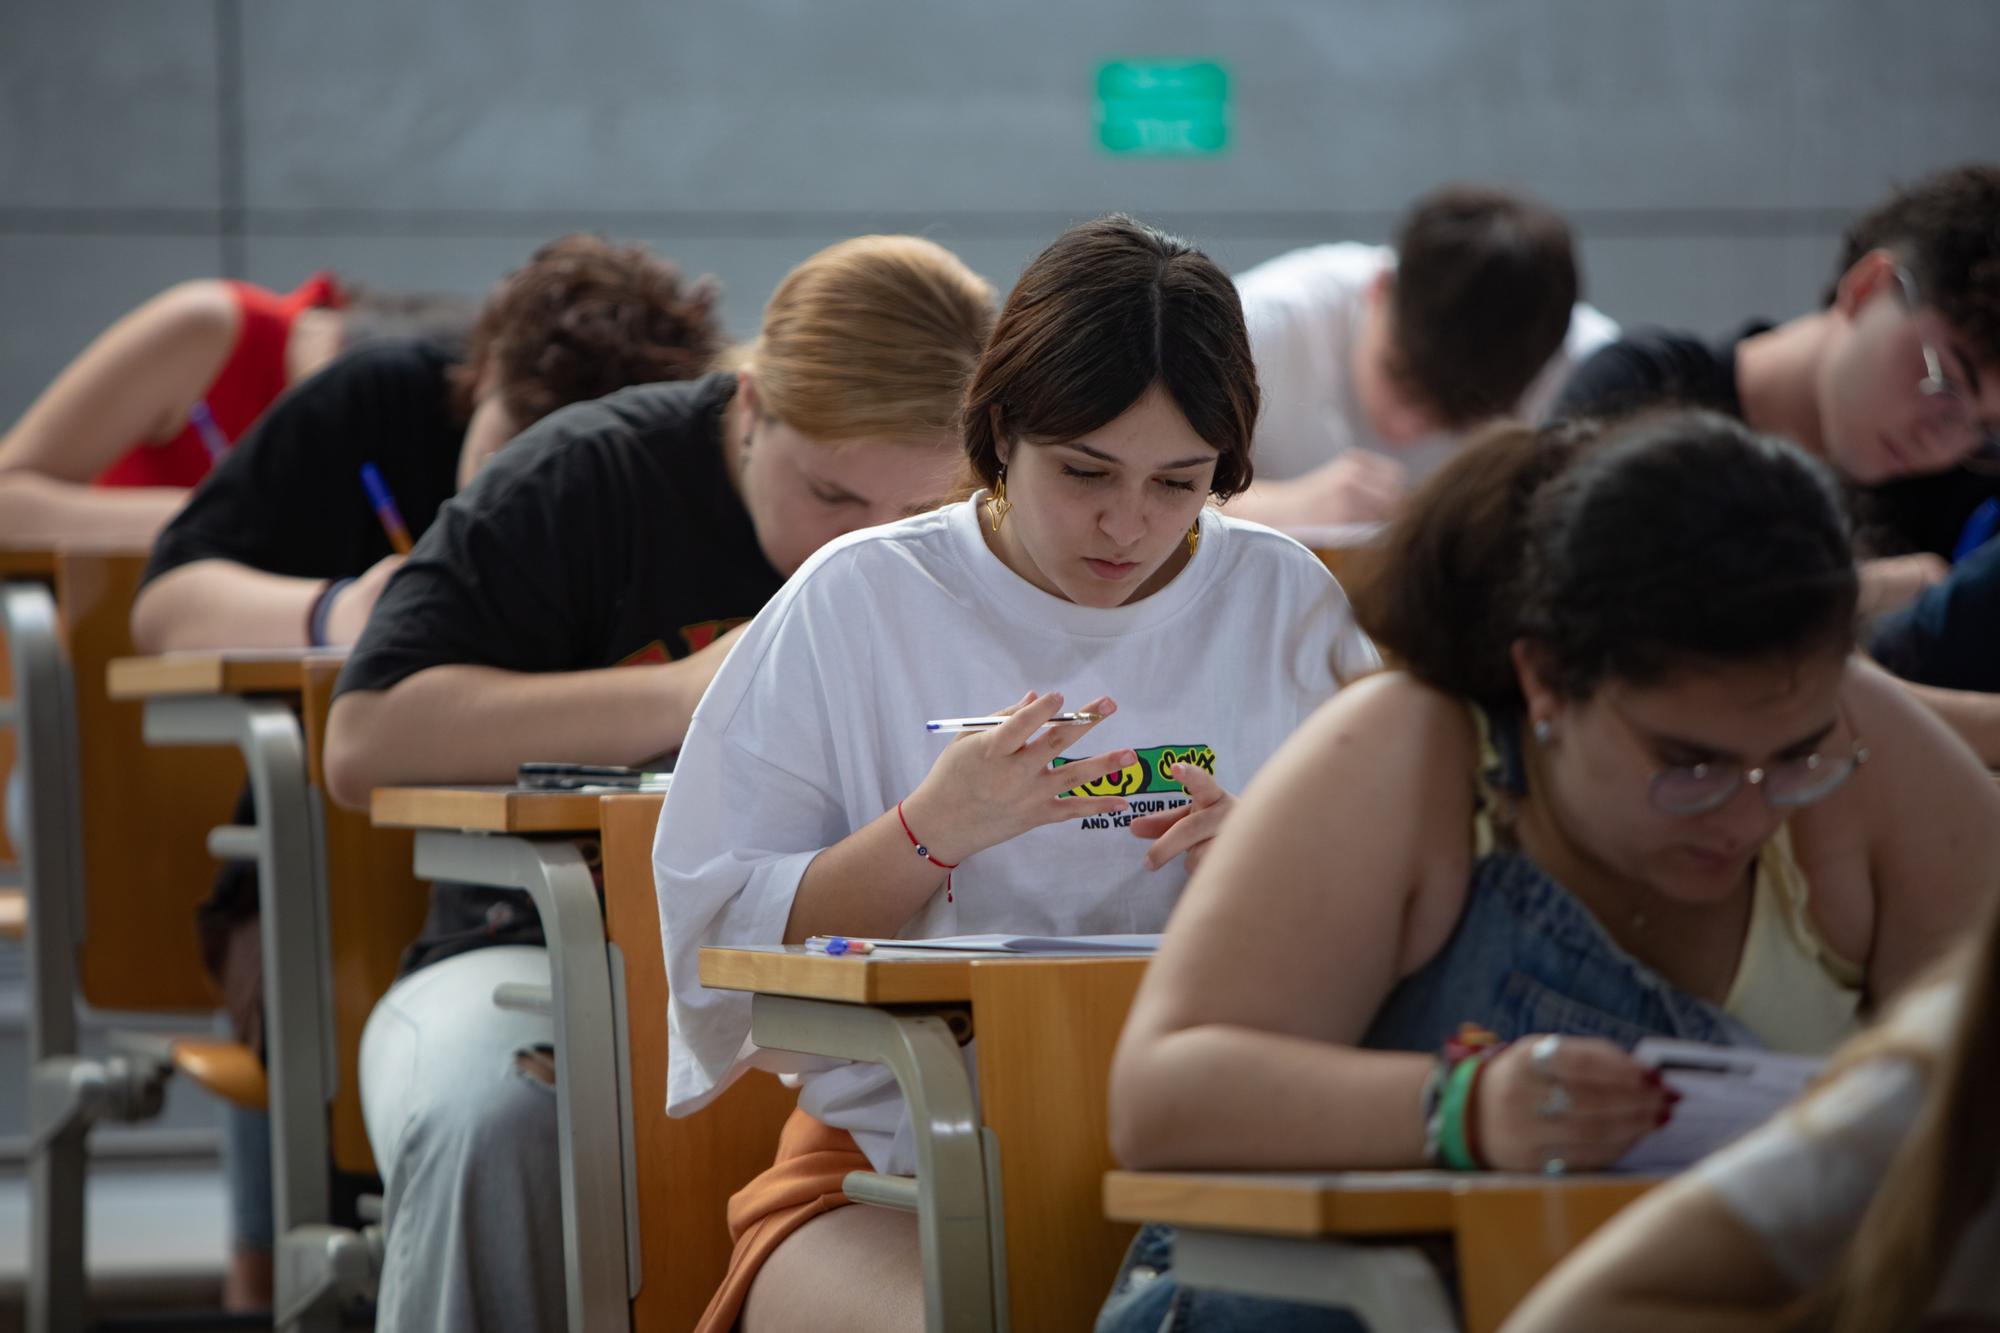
x=1945, y=230
x=583, y=317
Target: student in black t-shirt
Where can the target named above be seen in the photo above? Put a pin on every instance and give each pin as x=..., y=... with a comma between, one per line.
x=281, y=547
x=572, y=605
x=1895, y=382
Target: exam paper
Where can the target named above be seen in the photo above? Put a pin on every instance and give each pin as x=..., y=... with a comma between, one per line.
x=1726, y=1091
x=1057, y=944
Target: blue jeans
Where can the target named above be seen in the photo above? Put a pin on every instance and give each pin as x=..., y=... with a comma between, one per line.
x=1145, y=1297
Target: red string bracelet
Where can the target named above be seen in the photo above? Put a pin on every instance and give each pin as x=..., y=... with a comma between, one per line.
x=925, y=852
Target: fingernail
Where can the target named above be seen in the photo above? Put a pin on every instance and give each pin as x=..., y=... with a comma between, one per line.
x=1666, y=1114
x=1654, y=1078
x=1673, y=1097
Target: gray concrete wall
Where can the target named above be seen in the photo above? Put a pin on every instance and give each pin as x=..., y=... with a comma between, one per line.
x=1709, y=150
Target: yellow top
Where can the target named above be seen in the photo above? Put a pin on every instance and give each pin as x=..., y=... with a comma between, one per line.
x=1791, y=988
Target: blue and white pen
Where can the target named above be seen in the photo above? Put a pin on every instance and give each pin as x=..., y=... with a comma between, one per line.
x=836, y=945
x=204, y=423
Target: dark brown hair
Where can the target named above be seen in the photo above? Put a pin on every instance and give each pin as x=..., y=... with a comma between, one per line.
x=1485, y=282
x=1101, y=316
x=1625, y=551
x=1945, y=230
x=582, y=318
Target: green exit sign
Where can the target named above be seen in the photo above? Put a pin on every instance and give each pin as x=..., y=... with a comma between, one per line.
x=1163, y=108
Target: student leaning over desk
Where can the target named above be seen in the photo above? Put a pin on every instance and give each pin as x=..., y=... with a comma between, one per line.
x=1628, y=780
x=572, y=604
x=1116, y=396
x=283, y=547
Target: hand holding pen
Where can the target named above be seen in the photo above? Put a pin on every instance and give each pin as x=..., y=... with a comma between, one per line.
x=994, y=783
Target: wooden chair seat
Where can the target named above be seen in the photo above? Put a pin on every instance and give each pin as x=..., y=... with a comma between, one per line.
x=13, y=914
x=229, y=1069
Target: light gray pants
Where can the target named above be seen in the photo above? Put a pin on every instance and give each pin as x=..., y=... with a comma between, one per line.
x=466, y=1144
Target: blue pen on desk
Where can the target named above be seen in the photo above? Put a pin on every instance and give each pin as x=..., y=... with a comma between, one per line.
x=212, y=438
x=385, y=508
x=836, y=945
x=1979, y=529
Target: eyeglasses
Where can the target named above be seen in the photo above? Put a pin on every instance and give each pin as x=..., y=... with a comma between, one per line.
x=1696, y=789
x=1954, y=414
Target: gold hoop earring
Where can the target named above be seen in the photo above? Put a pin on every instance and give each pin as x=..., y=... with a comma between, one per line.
x=1194, y=537
x=997, y=504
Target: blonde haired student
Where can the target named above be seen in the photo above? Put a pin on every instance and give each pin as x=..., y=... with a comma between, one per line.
x=1117, y=395
x=572, y=603
x=1628, y=779
x=1874, y=1202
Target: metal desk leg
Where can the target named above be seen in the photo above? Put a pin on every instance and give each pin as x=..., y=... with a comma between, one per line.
x=954, y=1217
x=298, y=1006
x=556, y=877
x=52, y=875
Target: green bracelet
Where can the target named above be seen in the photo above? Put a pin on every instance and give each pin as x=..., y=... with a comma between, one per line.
x=1457, y=1152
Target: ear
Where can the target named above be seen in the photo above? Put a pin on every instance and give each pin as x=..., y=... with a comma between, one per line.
x=1866, y=277
x=1002, y=446
x=1381, y=288
x=746, y=392
x=1543, y=701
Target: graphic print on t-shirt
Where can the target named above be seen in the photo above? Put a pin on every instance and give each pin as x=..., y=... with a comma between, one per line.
x=698, y=637
x=1144, y=782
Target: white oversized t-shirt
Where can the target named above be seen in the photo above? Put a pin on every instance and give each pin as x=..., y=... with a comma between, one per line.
x=1304, y=310
x=815, y=726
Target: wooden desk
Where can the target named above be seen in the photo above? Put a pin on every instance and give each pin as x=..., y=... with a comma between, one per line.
x=251, y=702
x=208, y=674
x=1036, y=1138
x=109, y=916
x=680, y=1173
x=530, y=841
x=1279, y=1234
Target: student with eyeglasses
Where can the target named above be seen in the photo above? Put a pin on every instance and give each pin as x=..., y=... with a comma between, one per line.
x=1895, y=381
x=1627, y=779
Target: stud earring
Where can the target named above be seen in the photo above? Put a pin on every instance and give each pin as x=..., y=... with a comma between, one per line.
x=1545, y=731
x=997, y=504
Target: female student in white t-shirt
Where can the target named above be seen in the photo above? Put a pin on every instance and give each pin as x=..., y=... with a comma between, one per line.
x=1116, y=396
x=1874, y=1203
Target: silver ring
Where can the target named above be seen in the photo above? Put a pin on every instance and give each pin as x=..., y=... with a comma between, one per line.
x=1555, y=1102
x=1555, y=1166
x=1542, y=1055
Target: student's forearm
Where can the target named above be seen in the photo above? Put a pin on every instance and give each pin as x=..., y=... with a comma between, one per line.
x=221, y=604
x=1973, y=715
x=1276, y=504
x=1226, y=1097
x=479, y=724
x=869, y=883
x=46, y=511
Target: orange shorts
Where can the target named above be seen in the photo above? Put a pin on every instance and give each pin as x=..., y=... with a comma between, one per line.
x=813, y=1160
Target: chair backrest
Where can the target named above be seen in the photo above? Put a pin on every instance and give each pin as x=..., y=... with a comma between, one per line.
x=685, y=1170
x=146, y=811
x=375, y=907
x=1046, y=1032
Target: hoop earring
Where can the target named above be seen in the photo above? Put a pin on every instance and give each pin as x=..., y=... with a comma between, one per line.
x=1194, y=537
x=997, y=504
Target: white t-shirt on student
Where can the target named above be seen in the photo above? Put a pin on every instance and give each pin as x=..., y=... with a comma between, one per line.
x=815, y=726
x=1803, y=1181
x=1305, y=310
